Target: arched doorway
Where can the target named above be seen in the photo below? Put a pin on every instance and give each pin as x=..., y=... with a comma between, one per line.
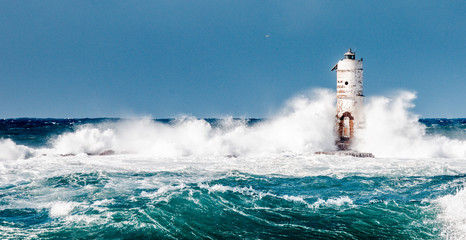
x=345, y=131
x=346, y=126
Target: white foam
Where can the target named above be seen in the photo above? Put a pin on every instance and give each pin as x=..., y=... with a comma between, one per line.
x=333, y=202
x=393, y=131
x=284, y=145
x=86, y=139
x=304, y=125
x=249, y=191
x=295, y=199
x=9, y=150
x=453, y=215
x=60, y=209
x=164, y=193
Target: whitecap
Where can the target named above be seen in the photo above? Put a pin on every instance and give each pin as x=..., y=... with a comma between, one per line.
x=453, y=215
x=60, y=209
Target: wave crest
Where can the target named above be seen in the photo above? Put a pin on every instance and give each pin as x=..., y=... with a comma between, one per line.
x=9, y=150
x=392, y=130
x=303, y=126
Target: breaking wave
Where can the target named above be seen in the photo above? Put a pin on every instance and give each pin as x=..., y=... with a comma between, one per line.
x=257, y=180
x=303, y=126
x=392, y=130
x=10, y=150
x=453, y=215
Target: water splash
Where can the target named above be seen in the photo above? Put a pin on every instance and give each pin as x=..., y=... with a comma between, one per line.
x=10, y=150
x=453, y=215
x=264, y=176
x=392, y=130
x=304, y=125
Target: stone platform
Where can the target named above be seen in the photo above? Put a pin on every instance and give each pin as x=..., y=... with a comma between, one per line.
x=346, y=153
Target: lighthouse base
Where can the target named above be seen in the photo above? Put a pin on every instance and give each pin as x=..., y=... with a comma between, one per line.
x=346, y=153
x=343, y=144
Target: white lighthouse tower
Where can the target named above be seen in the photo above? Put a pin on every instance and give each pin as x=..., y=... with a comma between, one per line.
x=349, y=114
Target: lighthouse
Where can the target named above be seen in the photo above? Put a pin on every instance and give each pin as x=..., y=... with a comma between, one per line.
x=349, y=116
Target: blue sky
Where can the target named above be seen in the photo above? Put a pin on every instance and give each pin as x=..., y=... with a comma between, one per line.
x=212, y=59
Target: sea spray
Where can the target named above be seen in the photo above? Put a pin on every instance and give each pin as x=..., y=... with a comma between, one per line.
x=86, y=139
x=10, y=150
x=172, y=179
x=304, y=125
x=392, y=130
x=453, y=214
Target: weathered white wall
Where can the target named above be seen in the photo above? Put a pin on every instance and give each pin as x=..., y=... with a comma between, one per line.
x=350, y=90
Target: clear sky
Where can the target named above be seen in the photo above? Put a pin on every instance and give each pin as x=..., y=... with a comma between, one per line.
x=206, y=58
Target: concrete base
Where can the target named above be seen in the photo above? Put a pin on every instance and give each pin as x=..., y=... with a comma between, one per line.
x=347, y=153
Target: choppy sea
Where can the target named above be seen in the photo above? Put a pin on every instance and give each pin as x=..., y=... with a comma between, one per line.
x=235, y=178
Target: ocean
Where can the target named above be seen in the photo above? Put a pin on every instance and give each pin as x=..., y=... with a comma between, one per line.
x=235, y=178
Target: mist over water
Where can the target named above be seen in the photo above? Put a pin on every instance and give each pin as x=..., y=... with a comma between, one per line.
x=392, y=130
x=304, y=125
x=140, y=178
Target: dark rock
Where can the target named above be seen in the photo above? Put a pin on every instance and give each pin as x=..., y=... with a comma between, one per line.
x=107, y=152
x=347, y=153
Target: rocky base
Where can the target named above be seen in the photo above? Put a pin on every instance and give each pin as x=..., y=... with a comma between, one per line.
x=347, y=153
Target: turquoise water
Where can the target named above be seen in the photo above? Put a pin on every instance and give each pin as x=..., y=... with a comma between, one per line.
x=231, y=205
x=55, y=185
